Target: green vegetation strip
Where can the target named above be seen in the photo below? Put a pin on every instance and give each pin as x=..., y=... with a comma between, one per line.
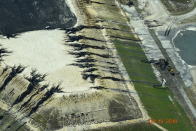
x=156, y=101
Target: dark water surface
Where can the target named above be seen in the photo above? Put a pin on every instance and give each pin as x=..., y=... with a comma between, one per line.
x=187, y=45
x=18, y=16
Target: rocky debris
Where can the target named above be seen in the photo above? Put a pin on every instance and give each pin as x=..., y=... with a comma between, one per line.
x=90, y=70
x=98, y=87
x=86, y=53
x=92, y=77
x=80, y=46
x=81, y=27
x=83, y=65
x=98, y=2
x=86, y=60
x=73, y=38
x=112, y=72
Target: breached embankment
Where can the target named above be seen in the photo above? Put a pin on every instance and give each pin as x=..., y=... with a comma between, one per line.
x=93, y=89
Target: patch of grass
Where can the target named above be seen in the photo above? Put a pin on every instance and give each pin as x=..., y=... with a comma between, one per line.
x=156, y=101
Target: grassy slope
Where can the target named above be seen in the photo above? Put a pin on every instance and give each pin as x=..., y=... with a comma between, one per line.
x=155, y=100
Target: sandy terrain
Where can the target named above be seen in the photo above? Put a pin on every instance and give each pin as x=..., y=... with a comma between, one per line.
x=46, y=51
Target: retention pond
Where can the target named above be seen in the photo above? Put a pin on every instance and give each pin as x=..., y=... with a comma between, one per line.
x=185, y=41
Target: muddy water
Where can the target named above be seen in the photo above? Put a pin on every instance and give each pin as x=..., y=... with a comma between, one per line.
x=186, y=43
x=26, y=15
